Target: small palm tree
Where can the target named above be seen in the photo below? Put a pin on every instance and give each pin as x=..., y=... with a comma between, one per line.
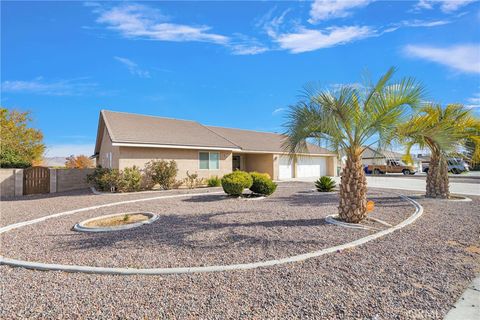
x=348, y=119
x=442, y=131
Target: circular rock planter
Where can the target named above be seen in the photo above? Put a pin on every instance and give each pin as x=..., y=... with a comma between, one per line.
x=453, y=197
x=116, y=222
x=188, y=269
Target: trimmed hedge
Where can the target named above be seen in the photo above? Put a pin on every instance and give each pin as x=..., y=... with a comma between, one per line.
x=234, y=183
x=262, y=184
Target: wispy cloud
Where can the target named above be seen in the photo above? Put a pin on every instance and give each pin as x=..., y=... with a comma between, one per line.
x=137, y=21
x=329, y=9
x=304, y=40
x=40, y=86
x=447, y=6
x=142, y=22
x=133, y=67
x=424, y=23
x=278, y=110
x=464, y=58
x=473, y=102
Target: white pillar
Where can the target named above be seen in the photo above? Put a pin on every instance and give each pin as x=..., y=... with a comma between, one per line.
x=53, y=180
x=18, y=182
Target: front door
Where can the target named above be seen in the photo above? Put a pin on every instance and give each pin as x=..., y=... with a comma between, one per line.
x=235, y=163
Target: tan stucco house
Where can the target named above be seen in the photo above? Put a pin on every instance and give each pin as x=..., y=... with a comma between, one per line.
x=125, y=139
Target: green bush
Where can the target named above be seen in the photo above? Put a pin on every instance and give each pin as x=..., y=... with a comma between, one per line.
x=128, y=180
x=214, y=181
x=131, y=179
x=96, y=179
x=325, y=184
x=163, y=173
x=234, y=183
x=10, y=159
x=262, y=184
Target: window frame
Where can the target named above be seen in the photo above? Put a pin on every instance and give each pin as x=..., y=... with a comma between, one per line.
x=209, y=159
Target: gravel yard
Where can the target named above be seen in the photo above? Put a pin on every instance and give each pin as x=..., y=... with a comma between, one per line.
x=416, y=272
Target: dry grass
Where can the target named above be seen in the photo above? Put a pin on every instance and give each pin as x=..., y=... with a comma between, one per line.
x=118, y=220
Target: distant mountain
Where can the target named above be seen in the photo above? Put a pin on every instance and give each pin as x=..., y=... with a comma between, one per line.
x=54, y=161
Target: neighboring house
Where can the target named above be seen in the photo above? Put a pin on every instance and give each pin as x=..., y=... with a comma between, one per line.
x=125, y=140
x=372, y=156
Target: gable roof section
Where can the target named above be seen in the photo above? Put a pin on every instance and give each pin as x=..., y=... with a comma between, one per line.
x=258, y=141
x=141, y=130
x=150, y=130
x=371, y=153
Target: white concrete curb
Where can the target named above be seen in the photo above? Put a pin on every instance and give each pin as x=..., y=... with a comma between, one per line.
x=179, y=270
x=81, y=226
x=463, y=198
x=332, y=220
x=101, y=193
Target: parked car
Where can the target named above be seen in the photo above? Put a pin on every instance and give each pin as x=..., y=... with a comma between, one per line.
x=455, y=166
x=391, y=166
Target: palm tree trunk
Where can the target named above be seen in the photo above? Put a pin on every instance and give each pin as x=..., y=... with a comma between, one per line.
x=437, y=177
x=353, y=190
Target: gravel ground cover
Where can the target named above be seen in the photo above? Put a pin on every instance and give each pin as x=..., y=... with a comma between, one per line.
x=198, y=231
x=415, y=273
x=34, y=206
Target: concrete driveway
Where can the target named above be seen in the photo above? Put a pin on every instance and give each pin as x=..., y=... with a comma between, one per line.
x=469, y=188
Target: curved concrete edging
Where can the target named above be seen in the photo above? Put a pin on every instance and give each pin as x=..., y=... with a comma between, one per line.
x=462, y=198
x=160, y=271
x=102, y=193
x=332, y=220
x=81, y=226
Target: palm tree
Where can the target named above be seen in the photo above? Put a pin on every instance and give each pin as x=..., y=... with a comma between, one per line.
x=443, y=131
x=350, y=118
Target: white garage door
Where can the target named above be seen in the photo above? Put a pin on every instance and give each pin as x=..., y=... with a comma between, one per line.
x=308, y=167
x=285, y=168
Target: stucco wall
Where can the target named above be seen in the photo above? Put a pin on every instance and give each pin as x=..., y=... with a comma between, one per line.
x=71, y=179
x=260, y=162
x=7, y=182
x=186, y=160
x=332, y=166
x=105, y=148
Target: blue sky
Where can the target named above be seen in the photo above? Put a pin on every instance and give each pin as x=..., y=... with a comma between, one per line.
x=234, y=64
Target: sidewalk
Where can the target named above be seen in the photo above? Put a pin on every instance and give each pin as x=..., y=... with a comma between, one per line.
x=468, y=306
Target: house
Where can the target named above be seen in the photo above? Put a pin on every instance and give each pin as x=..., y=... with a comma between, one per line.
x=125, y=140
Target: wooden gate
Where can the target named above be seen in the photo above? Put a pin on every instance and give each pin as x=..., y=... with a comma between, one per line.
x=36, y=180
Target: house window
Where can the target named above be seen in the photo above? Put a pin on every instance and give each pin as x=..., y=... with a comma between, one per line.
x=209, y=160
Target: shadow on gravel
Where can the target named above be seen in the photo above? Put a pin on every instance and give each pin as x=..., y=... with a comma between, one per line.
x=177, y=231
x=308, y=199
x=74, y=193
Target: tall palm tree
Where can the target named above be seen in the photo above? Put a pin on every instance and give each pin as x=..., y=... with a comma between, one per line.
x=348, y=119
x=442, y=131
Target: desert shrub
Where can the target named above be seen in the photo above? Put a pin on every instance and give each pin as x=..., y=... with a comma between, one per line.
x=111, y=180
x=262, y=184
x=214, y=181
x=193, y=181
x=131, y=179
x=325, y=184
x=234, y=183
x=96, y=180
x=163, y=173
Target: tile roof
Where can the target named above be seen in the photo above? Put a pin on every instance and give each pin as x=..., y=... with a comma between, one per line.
x=143, y=129
x=135, y=128
x=250, y=140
